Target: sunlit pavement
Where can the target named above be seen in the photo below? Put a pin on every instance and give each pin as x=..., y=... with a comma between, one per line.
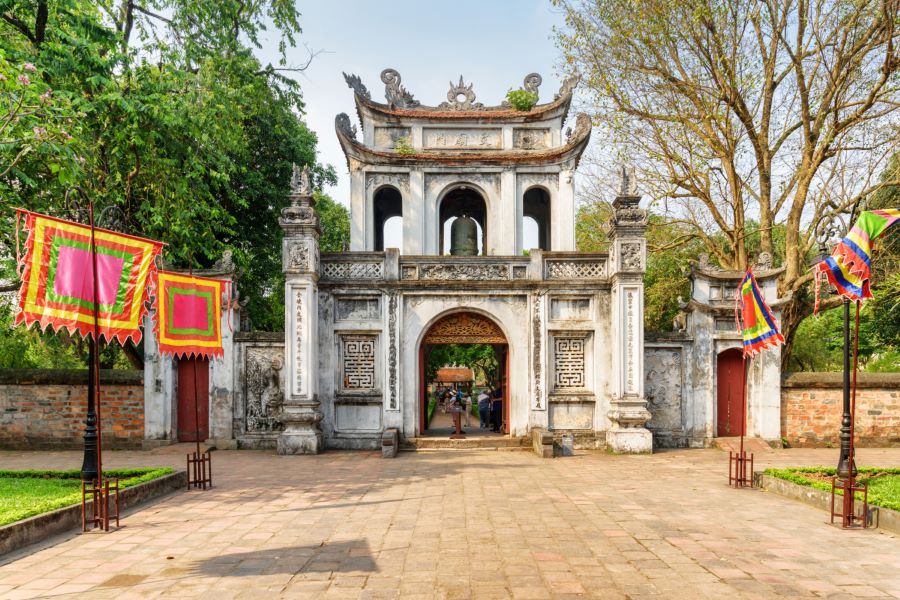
x=463, y=524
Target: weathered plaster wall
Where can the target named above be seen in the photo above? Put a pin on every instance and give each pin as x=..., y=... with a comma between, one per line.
x=47, y=408
x=812, y=405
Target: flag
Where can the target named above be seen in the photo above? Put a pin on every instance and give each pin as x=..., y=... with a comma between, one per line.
x=755, y=320
x=189, y=314
x=58, y=285
x=849, y=267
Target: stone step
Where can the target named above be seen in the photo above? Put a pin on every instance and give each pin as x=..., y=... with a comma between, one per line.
x=751, y=444
x=472, y=443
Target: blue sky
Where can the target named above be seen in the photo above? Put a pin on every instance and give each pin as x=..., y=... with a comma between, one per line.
x=492, y=43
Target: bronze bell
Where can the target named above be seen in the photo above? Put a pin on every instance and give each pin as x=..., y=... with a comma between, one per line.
x=464, y=237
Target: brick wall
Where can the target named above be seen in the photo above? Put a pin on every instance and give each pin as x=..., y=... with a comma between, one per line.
x=812, y=405
x=47, y=408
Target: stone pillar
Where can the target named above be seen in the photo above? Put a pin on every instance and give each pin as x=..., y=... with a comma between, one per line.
x=562, y=216
x=301, y=413
x=628, y=412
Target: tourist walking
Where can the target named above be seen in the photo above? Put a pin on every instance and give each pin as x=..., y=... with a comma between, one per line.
x=484, y=409
x=468, y=403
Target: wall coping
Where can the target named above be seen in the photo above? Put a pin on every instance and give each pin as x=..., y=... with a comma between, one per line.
x=836, y=380
x=259, y=336
x=68, y=377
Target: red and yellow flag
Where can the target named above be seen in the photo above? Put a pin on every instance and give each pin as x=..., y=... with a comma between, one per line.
x=58, y=285
x=189, y=314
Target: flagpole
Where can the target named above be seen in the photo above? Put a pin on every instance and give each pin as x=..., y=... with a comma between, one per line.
x=95, y=346
x=195, y=360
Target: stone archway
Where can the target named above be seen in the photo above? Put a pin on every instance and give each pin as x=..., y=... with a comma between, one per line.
x=464, y=328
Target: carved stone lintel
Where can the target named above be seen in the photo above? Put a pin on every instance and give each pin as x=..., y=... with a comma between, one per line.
x=396, y=95
x=451, y=272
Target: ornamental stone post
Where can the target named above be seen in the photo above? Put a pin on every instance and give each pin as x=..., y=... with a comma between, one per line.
x=628, y=412
x=300, y=412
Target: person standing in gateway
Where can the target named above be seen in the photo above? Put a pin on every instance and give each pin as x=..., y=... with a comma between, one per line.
x=497, y=411
x=484, y=408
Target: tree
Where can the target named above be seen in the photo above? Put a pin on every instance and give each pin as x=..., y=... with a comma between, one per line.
x=481, y=358
x=772, y=111
x=173, y=121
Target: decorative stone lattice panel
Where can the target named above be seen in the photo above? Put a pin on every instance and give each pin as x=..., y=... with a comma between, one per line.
x=367, y=270
x=663, y=388
x=568, y=363
x=576, y=269
x=358, y=362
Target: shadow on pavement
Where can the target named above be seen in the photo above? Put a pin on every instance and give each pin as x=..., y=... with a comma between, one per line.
x=349, y=556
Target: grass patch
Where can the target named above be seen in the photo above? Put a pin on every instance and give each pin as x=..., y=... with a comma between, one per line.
x=884, y=483
x=25, y=494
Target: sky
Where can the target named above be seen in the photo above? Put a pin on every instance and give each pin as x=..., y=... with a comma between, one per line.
x=491, y=43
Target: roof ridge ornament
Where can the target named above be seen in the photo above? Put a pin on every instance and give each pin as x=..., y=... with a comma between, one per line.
x=354, y=82
x=532, y=82
x=461, y=97
x=342, y=123
x=397, y=95
x=568, y=85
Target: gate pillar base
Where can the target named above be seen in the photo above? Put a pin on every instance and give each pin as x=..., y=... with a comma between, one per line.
x=300, y=442
x=629, y=440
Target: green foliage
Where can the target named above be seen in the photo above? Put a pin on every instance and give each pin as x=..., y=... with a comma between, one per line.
x=25, y=494
x=884, y=483
x=819, y=341
x=478, y=357
x=522, y=100
x=432, y=405
x=670, y=251
x=404, y=146
x=173, y=121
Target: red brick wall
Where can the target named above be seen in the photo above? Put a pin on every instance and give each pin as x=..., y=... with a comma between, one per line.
x=812, y=405
x=47, y=409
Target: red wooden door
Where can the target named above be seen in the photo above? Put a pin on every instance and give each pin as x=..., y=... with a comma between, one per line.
x=729, y=393
x=191, y=371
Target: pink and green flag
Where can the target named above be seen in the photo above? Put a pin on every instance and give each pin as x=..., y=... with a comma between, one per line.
x=189, y=314
x=57, y=278
x=755, y=321
x=849, y=267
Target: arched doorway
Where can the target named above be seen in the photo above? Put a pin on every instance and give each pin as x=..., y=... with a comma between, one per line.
x=388, y=206
x=462, y=200
x=729, y=393
x=460, y=329
x=536, y=208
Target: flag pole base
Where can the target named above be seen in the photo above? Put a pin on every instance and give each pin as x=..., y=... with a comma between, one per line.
x=740, y=469
x=846, y=505
x=99, y=492
x=199, y=469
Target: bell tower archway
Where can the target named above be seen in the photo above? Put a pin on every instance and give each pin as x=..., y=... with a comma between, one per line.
x=459, y=201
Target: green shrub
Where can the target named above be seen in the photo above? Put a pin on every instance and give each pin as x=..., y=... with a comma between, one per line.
x=522, y=100
x=404, y=146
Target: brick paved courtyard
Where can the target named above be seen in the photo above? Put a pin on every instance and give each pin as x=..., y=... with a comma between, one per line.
x=466, y=524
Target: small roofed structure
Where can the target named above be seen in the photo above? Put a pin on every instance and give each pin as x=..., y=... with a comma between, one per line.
x=454, y=376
